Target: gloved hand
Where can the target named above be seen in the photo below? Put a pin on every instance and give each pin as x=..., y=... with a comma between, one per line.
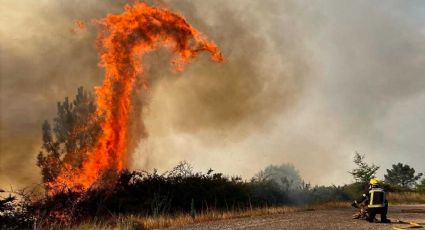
x=354, y=204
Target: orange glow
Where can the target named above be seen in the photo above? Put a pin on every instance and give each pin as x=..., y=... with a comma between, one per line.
x=122, y=40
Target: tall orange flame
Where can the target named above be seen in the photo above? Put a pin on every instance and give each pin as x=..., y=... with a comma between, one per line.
x=123, y=39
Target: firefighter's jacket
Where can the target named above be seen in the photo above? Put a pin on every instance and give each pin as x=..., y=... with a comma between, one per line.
x=374, y=198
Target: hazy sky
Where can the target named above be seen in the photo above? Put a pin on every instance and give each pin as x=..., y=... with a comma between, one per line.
x=304, y=82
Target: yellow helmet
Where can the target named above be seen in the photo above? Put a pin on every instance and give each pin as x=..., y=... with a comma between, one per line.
x=374, y=181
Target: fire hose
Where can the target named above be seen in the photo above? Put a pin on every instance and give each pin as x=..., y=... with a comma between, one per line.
x=410, y=223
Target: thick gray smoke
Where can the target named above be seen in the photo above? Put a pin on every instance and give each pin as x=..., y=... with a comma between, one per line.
x=304, y=82
x=323, y=81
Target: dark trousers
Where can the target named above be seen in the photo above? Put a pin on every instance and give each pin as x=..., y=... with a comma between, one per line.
x=382, y=211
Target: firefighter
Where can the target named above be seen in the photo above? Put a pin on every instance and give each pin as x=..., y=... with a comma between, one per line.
x=376, y=202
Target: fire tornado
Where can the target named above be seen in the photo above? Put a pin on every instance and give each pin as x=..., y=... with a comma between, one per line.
x=123, y=39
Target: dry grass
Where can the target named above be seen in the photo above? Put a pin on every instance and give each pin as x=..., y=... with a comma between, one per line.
x=143, y=222
x=406, y=198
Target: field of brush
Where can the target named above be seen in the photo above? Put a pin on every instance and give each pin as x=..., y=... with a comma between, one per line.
x=149, y=200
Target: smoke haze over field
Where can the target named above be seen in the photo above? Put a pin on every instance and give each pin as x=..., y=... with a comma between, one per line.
x=304, y=82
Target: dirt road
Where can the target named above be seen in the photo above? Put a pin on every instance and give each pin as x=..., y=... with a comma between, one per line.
x=316, y=219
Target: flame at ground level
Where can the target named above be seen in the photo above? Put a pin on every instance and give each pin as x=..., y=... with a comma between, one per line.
x=123, y=39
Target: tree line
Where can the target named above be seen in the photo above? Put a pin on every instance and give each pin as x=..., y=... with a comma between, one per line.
x=400, y=177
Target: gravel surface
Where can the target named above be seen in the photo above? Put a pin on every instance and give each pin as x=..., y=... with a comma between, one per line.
x=316, y=219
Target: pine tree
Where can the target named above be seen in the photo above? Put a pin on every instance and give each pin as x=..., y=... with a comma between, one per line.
x=402, y=175
x=74, y=133
x=364, y=172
